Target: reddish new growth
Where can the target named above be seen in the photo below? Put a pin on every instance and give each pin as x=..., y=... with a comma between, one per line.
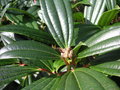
x=22, y=64
x=34, y=1
x=87, y=65
x=45, y=70
x=66, y=53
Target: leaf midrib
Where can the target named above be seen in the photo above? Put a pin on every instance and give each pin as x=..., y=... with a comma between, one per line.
x=93, y=77
x=30, y=50
x=77, y=81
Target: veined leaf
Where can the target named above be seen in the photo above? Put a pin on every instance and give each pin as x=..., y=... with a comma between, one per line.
x=10, y=73
x=79, y=79
x=102, y=42
x=44, y=84
x=83, y=31
x=22, y=20
x=6, y=40
x=28, y=50
x=77, y=47
x=111, y=56
x=33, y=10
x=103, y=35
x=29, y=32
x=39, y=63
x=56, y=15
x=8, y=62
x=93, y=13
x=81, y=2
x=4, y=11
x=111, y=4
x=85, y=79
x=108, y=16
x=110, y=68
x=57, y=64
x=19, y=17
x=102, y=47
x=19, y=11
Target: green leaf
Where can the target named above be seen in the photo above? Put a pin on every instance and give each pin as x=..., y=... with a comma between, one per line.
x=77, y=47
x=84, y=31
x=79, y=79
x=111, y=56
x=93, y=13
x=28, y=50
x=22, y=17
x=3, y=12
x=57, y=64
x=38, y=35
x=6, y=39
x=8, y=62
x=33, y=10
x=39, y=63
x=111, y=4
x=56, y=15
x=78, y=17
x=103, y=35
x=86, y=2
x=22, y=20
x=85, y=79
x=16, y=19
x=110, y=68
x=102, y=47
x=102, y=42
x=10, y=73
x=44, y=84
x=108, y=16
x=19, y=11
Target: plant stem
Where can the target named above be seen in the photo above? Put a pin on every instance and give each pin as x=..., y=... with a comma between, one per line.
x=65, y=61
x=68, y=67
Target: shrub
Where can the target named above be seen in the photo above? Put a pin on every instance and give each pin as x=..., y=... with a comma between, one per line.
x=52, y=47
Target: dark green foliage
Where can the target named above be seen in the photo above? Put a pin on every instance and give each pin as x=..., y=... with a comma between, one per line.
x=59, y=44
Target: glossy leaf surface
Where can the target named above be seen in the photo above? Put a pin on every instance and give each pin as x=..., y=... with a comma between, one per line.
x=16, y=11
x=108, y=16
x=110, y=4
x=38, y=35
x=93, y=13
x=83, y=31
x=110, y=68
x=58, y=17
x=111, y=56
x=6, y=39
x=102, y=42
x=81, y=2
x=57, y=64
x=33, y=10
x=44, y=84
x=103, y=35
x=10, y=73
x=28, y=50
x=39, y=63
x=8, y=62
x=21, y=17
x=75, y=80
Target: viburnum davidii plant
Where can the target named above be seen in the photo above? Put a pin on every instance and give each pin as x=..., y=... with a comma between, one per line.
x=57, y=51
